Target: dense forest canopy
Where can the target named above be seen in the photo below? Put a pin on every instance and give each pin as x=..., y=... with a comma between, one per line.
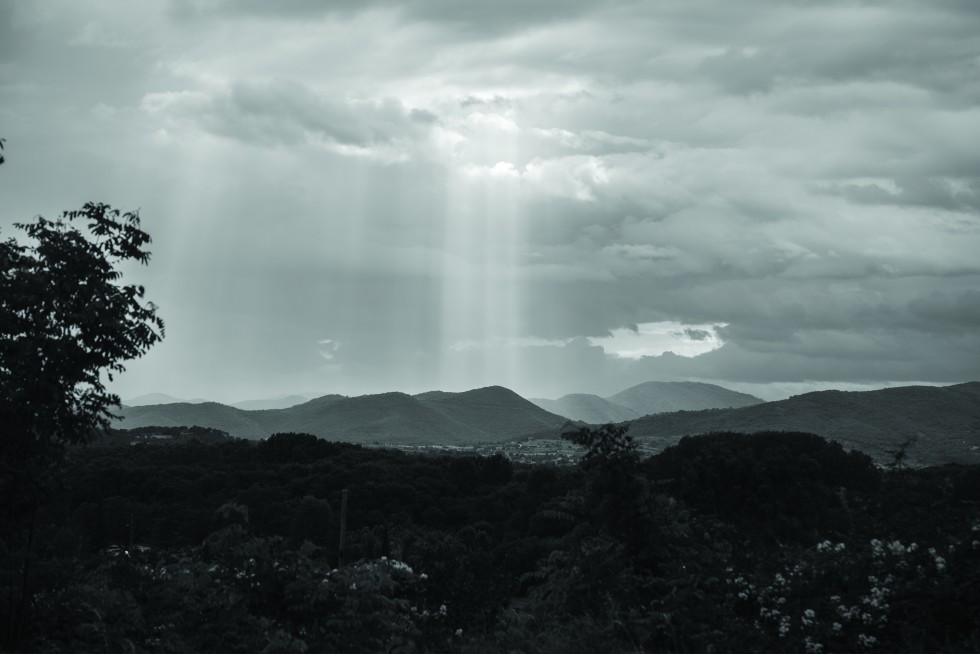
x=727, y=542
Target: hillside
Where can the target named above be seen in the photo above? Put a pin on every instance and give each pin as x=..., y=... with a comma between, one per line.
x=158, y=398
x=661, y=397
x=271, y=403
x=207, y=414
x=480, y=415
x=645, y=399
x=588, y=408
x=945, y=421
x=496, y=411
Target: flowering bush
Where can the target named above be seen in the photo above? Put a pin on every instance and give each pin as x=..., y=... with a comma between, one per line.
x=836, y=597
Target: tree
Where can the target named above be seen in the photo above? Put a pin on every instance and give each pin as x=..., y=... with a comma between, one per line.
x=606, y=445
x=65, y=322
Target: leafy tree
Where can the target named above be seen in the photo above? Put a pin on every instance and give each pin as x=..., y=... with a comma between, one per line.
x=606, y=445
x=65, y=320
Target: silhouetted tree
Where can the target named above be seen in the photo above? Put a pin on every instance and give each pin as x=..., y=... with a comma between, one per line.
x=65, y=321
x=606, y=445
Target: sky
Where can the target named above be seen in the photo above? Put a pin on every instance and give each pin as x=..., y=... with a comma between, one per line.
x=554, y=196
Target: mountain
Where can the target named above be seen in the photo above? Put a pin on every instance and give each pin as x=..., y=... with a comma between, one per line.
x=588, y=408
x=481, y=415
x=157, y=398
x=645, y=399
x=662, y=397
x=496, y=411
x=943, y=421
x=184, y=414
x=283, y=402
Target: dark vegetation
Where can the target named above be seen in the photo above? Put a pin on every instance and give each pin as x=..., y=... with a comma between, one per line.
x=233, y=546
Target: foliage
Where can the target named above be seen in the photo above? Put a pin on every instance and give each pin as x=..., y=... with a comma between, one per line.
x=235, y=549
x=605, y=445
x=783, y=484
x=64, y=321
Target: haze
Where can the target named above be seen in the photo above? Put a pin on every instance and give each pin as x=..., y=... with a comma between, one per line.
x=354, y=197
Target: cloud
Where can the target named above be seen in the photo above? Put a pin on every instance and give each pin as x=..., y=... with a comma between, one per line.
x=327, y=348
x=471, y=17
x=289, y=113
x=656, y=338
x=797, y=182
x=949, y=194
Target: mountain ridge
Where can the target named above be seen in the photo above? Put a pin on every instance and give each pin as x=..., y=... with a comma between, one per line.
x=941, y=423
x=646, y=399
x=488, y=414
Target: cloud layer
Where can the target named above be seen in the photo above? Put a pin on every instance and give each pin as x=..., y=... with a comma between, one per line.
x=341, y=194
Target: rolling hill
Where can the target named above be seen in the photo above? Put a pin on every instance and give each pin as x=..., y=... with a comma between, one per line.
x=487, y=414
x=588, y=408
x=158, y=398
x=183, y=414
x=283, y=402
x=943, y=421
x=495, y=411
x=646, y=399
x=662, y=397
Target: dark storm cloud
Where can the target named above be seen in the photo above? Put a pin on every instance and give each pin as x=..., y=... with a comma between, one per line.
x=918, y=191
x=940, y=58
x=473, y=17
x=954, y=310
x=697, y=334
x=288, y=112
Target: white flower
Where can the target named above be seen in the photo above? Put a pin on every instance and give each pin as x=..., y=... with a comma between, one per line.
x=784, y=626
x=866, y=640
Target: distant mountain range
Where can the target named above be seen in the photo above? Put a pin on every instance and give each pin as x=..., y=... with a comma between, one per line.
x=158, y=398
x=482, y=415
x=646, y=399
x=280, y=402
x=943, y=422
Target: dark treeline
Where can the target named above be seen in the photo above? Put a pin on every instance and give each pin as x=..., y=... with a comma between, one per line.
x=726, y=542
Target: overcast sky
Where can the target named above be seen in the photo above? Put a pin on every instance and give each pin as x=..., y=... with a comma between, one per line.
x=559, y=196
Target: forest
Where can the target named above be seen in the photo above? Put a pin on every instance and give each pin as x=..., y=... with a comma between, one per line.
x=723, y=543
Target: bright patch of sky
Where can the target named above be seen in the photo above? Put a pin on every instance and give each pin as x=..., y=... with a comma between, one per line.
x=655, y=338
